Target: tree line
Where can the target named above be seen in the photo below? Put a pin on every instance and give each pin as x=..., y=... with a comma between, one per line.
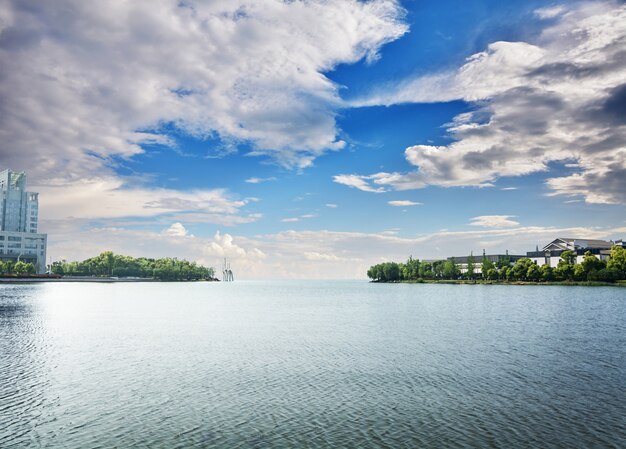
x=590, y=269
x=110, y=264
x=19, y=268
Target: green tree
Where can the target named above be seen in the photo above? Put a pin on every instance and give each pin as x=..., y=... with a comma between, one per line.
x=564, y=271
x=579, y=273
x=438, y=268
x=450, y=269
x=471, y=266
x=504, y=262
x=520, y=269
x=392, y=271
x=57, y=268
x=568, y=257
x=492, y=274
x=617, y=261
x=533, y=273
x=591, y=263
x=547, y=274
x=486, y=266
x=20, y=267
x=426, y=270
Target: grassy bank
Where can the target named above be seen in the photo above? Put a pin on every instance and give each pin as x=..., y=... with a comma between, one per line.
x=489, y=282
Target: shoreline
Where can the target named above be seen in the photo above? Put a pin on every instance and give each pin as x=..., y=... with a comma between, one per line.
x=487, y=282
x=86, y=279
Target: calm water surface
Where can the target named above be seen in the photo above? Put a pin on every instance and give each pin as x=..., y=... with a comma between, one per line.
x=311, y=365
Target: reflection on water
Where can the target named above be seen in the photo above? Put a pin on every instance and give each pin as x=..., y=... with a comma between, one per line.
x=306, y=364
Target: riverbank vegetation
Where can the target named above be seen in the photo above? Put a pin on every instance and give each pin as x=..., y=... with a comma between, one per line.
x=591, y=269
x=109, y=264
x=19, y=268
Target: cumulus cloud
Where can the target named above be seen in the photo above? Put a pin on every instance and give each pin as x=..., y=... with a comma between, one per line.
x=82, y=86
x=560, y=99
x=403, y=203
x=175, y=230
x=494, y=221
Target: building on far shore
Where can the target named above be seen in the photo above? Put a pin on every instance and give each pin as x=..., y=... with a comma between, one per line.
x=461, y=262
x=19, y=215
x=551, y=253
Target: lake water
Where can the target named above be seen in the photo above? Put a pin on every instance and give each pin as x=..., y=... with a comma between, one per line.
x=311, y=365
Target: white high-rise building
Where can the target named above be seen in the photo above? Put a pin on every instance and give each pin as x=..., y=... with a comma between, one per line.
x=19, y=213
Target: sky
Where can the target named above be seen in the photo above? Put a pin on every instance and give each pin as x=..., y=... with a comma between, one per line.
x=312, y=139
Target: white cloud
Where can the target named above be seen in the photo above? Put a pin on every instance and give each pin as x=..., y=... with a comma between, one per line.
x=260, y=180
x=331, y=205
x=508, y=188
x=175, y=230
x=110, y=197
x=550, y=12
x=297, y=219
x=357, y=182
x=494, y=221
x=403, y=203
x=83, y=85
x=559, y=99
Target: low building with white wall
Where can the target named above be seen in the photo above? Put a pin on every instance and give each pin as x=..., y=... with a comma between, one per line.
x=19, y=216
x=461, y=262
x=551, y=253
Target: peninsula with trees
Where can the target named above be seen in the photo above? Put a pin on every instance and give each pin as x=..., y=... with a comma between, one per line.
x=110, y=265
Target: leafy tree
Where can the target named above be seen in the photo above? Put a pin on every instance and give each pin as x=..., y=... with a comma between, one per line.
x=20, y=267
x=520, y=269
x=450, y=269
x=412, y=268
x=591, y=263
x=492, y=274
x=486, y=266
x=504, y=262
x=426, y=270
x=391, y=271
x=533, y=273
x=547, y=273
x=604, y=275
x=438, y=268
x=510, y=274
x=565, y=268
x=568, y=257
x=58, y=268
x=471, y=266
x=3, y=267
x=617, y=261
x=30, y=268
x=579, y=273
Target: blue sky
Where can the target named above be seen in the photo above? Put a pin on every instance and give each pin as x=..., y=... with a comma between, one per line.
x=314, y=139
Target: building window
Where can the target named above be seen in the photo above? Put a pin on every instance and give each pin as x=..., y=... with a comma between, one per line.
x=14, y=239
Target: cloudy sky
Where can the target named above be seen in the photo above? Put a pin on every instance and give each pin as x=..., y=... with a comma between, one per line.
x=311, y=139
